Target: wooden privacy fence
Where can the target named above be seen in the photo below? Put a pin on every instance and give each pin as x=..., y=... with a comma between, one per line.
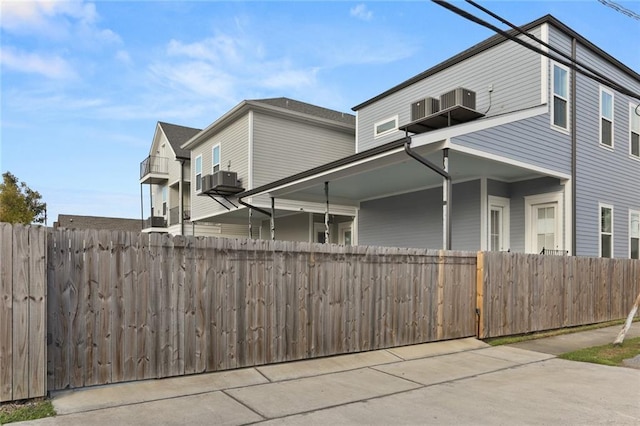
x=522, y=293
x=22, y=312
x=121, y=306
x=126, y=306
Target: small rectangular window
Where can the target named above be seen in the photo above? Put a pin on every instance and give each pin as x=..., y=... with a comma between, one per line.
x=384, y=127
x=559, y=107
x=634, y=130
x=215, y=156
x=198, y=173
x=606, y=118
x=164, y=200
x=606, y=231
x=634, y=234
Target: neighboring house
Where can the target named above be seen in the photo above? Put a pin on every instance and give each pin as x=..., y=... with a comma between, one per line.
x=167, y=171
x=257, y=142
x=539, y=156
x=70, y=221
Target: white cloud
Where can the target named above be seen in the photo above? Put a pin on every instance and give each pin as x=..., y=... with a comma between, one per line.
x=123, y=56
x=290, y=79
x=361, y=11
x=50, y=66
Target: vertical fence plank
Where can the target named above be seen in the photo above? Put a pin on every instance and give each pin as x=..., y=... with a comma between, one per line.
x=130, y=302
x=37, y=312
x=20, y=312
x=6, y=312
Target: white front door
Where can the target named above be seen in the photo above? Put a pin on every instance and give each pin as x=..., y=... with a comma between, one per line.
x=345, y=234
x=544, y=220
x=498, y=224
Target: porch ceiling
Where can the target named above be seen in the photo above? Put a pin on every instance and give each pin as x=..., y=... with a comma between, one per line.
x=398, y=173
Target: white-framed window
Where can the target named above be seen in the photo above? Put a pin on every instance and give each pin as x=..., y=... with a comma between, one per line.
x=606, y=118
x=634, y=234
x=544, y=221
x=606, y=230
x=384, y=127
x=634, y=131
x=345, y=233
x=198, y=173
x=165, y=196
x=215, y=158
x=560, y=102
x=320, y=233
x=498, y=224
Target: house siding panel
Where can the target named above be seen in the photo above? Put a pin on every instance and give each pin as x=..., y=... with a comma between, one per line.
x=233, y=142
x=407, y=220
x=517, y=89
x=283, y=147
x=530, y=140
x=603, y=175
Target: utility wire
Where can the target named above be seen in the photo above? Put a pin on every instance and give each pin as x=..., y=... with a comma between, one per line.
x=569, y=64
x=615, y=6
x=547, y=45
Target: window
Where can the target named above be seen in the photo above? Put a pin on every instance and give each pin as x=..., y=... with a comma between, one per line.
x=215, y=156
x=164, y=201
x=606, y=118
x=606, y=231
x=198, y=171
x=634, y=130
x=634, y=234
x=498, y=224
x=559, y=108
x=389, y=125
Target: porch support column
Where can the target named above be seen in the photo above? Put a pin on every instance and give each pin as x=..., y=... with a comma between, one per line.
x=326, y=213
x=141, y=206
x=250, y=227
x=273, y=219
x=446, y=202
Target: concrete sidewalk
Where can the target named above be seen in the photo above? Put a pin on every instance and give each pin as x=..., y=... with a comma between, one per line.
x=462, y=381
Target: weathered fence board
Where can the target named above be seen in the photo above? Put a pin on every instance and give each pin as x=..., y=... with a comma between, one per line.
x=522, y=293
x=23, y=305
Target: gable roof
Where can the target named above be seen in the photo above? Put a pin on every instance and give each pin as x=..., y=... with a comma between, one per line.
x=177, y=135
x=305, y=108
x=70, y=221
x=494, y=41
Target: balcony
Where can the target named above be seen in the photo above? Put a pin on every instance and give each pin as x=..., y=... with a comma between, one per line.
x=174, y=215
x=155, y=223
x=154, y=170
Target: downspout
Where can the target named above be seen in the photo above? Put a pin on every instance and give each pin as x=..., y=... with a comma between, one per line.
x=181, y=201
x=326, y=213
x=141, y=207
x=574, y=148
x=446, y=190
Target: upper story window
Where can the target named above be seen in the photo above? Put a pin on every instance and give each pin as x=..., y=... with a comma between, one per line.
x=606, y=118
x=384, y=127
x=634, y=234
x=559, y=106
x=634, y=130
x=606, y=231
x=198, y=173
x=215, y=156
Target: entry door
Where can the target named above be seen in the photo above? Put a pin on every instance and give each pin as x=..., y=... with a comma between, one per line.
x=498, y=224
x=345, y=234
x=545, y=222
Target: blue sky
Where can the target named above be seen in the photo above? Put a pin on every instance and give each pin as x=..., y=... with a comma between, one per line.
x=84, y=83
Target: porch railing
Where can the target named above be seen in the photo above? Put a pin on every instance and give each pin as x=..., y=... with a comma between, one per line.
x=554, y=252
x=153, y=164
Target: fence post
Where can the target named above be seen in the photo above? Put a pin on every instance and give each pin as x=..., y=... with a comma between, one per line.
x=480, y=294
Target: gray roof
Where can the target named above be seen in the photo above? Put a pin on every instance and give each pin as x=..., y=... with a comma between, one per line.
x=309, y=109
x=70, y=221
x=493, y=41
x=177, y=135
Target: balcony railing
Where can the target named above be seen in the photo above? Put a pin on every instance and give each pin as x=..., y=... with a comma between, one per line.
x=155, y=222
x=154, y=165
x=174, y=215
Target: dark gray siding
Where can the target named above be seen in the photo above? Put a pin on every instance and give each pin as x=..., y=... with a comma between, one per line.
x=415, y=219
x=602, y=175
x=530, y=140
x=513, y=70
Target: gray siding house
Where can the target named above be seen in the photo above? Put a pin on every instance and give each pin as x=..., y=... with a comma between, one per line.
x=257, y=142
x=538, y=155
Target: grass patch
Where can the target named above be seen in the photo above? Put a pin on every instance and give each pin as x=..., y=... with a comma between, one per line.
x=507, y=340
x=606, y=354
x=26, y=410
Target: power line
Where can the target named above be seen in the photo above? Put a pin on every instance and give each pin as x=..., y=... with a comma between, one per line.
x=615, y=6
x=570, y=64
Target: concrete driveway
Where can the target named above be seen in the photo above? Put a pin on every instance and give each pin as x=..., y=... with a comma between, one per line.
x=455, y=382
